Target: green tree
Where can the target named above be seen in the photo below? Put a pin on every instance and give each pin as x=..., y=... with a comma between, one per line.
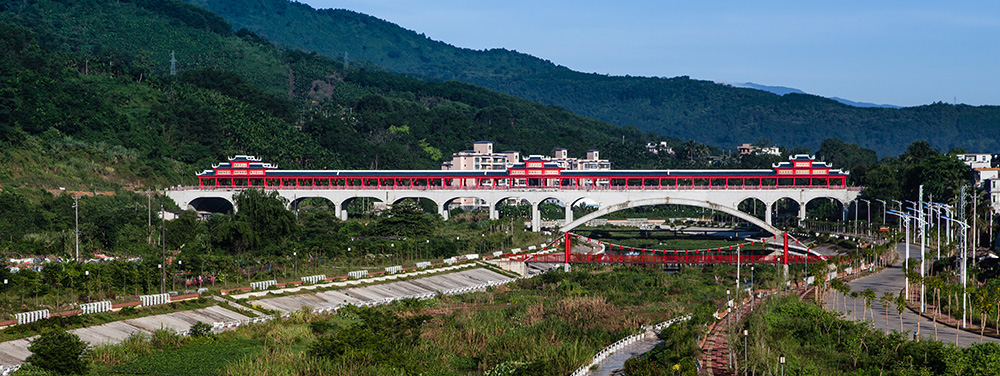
x=59, y=351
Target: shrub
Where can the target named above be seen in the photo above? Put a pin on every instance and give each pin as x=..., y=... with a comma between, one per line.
x=59, y=351
x=200, y=329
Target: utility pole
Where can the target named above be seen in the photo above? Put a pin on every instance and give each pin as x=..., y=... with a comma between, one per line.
x=76, y=207
x=149, y=218
x=173, y=64
x=163, y=250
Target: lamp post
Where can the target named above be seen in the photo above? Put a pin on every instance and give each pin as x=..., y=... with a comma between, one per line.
x=883, y=210
x=922, y=223
x=868, y=211
x=965, y=252
x=781, y=359
x=899, y=226
x=745, y=335
x=752, y=297
x=906, y=258
x=86, y=273
x=76, y=233
x=856, y=216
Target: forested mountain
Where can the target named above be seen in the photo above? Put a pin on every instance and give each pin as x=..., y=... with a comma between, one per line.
x=680, y=107
x=87, y=101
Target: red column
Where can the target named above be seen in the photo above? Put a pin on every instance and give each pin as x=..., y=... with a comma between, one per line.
x=566, y=240
x=785, y=261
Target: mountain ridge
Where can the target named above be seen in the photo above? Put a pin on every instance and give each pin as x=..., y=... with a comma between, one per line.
x=680, y=107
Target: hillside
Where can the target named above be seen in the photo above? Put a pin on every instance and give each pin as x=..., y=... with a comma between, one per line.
x=707, y=112
x=88, y=102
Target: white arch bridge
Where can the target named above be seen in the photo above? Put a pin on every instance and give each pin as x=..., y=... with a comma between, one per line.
x=801, y=180
x=608, y=200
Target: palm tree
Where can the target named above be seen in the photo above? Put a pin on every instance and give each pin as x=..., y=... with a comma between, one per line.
x=886, y=299
x=980, y=303
x=854, y=297
x=900, y=307
x=869, y=295
x=935, y=284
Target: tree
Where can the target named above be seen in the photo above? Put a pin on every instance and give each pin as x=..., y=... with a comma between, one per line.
x=886, y=299
x=900, y=306
x=59, y=351
x=869, y=295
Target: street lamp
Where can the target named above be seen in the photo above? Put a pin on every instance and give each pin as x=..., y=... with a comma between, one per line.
x=87, y=274
x=745, y=334
x=76, y=208
x=868, y=210
x=752, y=297
x=906, y=258
x=965, y=252
x=900, y=204
x=883, y=210
x=781, y=359
x=922, y=223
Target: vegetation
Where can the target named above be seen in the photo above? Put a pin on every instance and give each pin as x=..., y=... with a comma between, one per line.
x=59, y=352
x=815, y=341
x=547, y=325
x=716, y=114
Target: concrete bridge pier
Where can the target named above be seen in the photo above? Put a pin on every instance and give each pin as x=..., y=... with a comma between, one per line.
x=767, y=213
x=494, y=214
x=536, y=218
x=442, y=211
x=569, y=213
x=802, y=213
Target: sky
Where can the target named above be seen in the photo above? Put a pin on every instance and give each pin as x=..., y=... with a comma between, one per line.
x=902, y=53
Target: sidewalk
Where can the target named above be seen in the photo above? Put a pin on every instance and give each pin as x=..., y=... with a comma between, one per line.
x=913, y=303
x=715, y=346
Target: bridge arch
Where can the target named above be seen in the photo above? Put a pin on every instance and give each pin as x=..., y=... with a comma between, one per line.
x=826, y=208
x=604, y=210
x=212, y=204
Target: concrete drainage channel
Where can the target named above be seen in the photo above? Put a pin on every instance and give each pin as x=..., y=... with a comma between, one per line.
x=625, y=342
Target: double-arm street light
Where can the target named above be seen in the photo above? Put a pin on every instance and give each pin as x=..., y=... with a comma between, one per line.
x=900, y=204
x=868, y=210
x=921, y=222
x=965, y=250
x=883, y=209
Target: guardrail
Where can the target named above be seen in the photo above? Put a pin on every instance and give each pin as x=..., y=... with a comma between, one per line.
x=263, y=285
x=29, y=317
x=155, y=299
x=625, y=342
x=314, y=278
x=95, y=307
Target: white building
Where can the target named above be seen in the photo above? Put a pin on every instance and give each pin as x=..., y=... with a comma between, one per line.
x=976, y=160
x=482, y=157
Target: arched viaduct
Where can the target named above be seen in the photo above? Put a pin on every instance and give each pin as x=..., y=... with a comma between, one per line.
x=608, y=201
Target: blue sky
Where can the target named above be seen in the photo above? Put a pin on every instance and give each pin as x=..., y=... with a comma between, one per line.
x=889, y=52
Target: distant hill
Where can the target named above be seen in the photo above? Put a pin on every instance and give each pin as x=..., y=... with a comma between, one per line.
x=782, y=90
x=716, y=114
x=87, y=102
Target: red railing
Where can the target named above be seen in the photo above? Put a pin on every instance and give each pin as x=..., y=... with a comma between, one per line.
x=491, y=188
x=672, y=259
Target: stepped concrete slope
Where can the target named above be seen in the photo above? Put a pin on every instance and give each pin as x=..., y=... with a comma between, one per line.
x=378, y=292
x=14, y=352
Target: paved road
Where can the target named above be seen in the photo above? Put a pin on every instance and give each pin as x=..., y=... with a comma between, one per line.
x=891, y=280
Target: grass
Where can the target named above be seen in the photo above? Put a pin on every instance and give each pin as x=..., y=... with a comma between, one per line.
x=550, y=324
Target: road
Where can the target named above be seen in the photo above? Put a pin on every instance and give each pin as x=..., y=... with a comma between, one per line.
x=891, y=280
